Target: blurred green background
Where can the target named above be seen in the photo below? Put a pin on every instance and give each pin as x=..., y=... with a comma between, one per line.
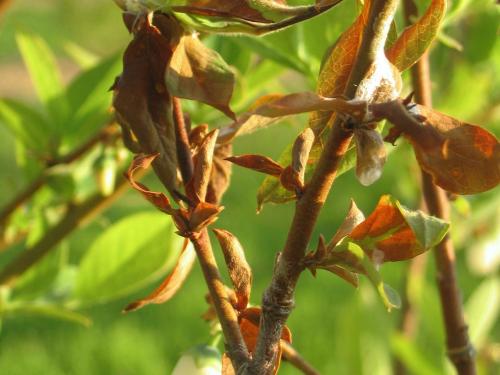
x=337, y=328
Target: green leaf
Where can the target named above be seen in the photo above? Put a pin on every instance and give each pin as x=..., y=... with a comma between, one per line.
x=43, y=71
x=416, y=39
x=428, y=230
x=45, y=309
x=410, y=355
x=127, y=256
x=267, y=50
x=26, y=124
x=482, y=309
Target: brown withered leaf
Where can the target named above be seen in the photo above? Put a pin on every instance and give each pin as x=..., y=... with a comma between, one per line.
x=290, y=180
x=221, y=173
x=258, y=163
x=416, y=39
x=462, y=158
x=172, y=282
x=370, y=155
x=238, y=267
x=203, y=162
x=467, y=158
x=158, y=199
x=203, y=215
x=300, y=152
x=354, y=217
x=249, y=321
x=198, y=73
x=141, y=100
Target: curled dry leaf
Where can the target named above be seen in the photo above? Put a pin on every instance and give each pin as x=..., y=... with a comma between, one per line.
x=290, y=180
x=258, y=163
x=202, y=216
x=370, y=155
x=141, y=100
x=416, y=39
x=172, y=282
x=158, y=199
x=300, y=152
x=354, y=217
x=197, y=72
x=238, y=267
x=221, y=173
x=203, y=166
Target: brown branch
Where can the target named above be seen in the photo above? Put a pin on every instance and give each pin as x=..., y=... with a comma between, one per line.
x=73, y=219
x=277, y=302
x=226, y=314
x=26, y=194
x=290, y=354
x=459, y=348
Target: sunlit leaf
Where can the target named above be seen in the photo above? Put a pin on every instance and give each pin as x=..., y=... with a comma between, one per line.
x=120, y=261
x=416, y=39
x=393, y=233
x=354, y=217
x=197, y=72
x=172, y=282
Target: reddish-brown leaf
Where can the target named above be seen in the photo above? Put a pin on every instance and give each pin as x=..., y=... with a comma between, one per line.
x=141, y=99
x=464, y=159
x=300, y=152
x=393, y=233
x=258, y=163
x=291, y=180
x=238, y=267
x=172, y=283
x=158, y=199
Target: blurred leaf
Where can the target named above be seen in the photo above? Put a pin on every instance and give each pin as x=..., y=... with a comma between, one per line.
x=482, y=309
x=258, y=163
x=416, y=39
x=120, y=261
x=26, y=124
x=43, y=71
x=409, y=354
x=172, y=282
x=88, y=97
x=267, y=50
x=83, y=57
x=45, y=309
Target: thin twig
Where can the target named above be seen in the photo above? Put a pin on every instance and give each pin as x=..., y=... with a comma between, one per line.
x=291, y=355
x=277, y=302
x=226, y=314
x=74, y=218
x=459, y=348
x=39, y=182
